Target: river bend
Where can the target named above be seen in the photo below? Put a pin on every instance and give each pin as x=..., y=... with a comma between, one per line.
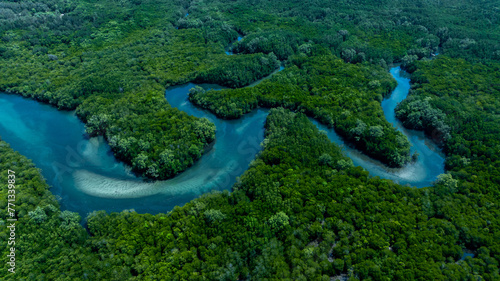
x=85, y=176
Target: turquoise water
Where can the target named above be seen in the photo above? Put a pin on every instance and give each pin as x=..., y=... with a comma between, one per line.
x=430, y=162
x=85, y=176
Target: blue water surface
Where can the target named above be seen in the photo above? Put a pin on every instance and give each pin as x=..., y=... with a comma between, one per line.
x=430, y=162
x=85, y=176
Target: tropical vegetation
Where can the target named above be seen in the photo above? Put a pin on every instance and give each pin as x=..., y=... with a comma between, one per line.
x=302, y=211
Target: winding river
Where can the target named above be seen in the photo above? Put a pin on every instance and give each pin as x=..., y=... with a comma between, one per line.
x=85, y=176
x=430, y=162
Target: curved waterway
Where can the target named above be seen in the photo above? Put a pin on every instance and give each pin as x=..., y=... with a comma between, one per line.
x=85, y=176
x=430, y=162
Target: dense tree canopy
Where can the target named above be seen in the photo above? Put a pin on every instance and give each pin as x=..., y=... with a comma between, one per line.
x=341, y=95
x=66, y=53
x=291, y=215
x=302, y=211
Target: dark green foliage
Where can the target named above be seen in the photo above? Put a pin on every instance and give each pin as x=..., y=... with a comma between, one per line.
x=143, y=130
x=290, y=217
x=65, y=53
x=239, y=71
x=456, y=101
x=214, y=30
x=282, y=43
x=114, y=73
x=419, y=115
x=301, y=211
x=465, y=96
x=45, y=236
x=341, y=95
